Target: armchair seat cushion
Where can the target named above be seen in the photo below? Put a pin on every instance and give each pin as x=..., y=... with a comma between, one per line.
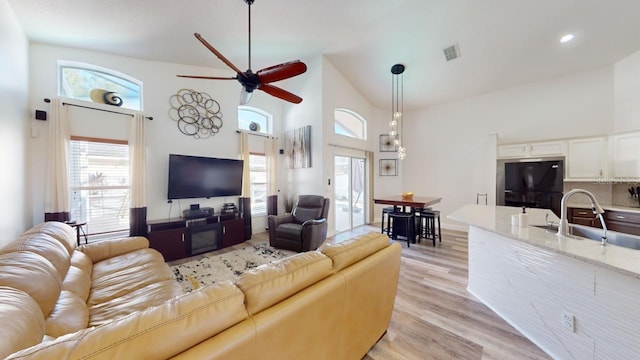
x=289, y=231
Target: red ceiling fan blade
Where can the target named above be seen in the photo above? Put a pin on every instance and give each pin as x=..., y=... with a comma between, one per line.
x=207, y=77
x=281, y=71
x=280, y=93
x=217, y=53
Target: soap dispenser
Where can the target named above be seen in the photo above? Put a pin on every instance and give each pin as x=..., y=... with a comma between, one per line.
x=523, y=218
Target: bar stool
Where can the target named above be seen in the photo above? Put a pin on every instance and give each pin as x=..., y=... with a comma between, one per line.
x=428, y=229
x=409, y=223
x=386, y=211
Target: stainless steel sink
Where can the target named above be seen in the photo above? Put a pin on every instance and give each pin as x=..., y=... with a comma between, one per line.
x=613, y=237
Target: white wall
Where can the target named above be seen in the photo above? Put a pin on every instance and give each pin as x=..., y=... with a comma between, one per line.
x=163, y=136
x=14, y=127
x=627, y=90
x=449, y=150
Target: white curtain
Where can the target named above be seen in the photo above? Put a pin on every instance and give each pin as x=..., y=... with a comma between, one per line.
x=271, y=154
x=137, y=161
x=137, y=175
x=370, y=185
x=244, y=155
x=57, y=205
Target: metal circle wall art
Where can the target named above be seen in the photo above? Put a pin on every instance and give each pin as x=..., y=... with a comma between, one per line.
x=196, y=113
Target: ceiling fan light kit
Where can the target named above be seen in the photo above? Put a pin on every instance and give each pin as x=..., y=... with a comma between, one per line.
x=261, y=79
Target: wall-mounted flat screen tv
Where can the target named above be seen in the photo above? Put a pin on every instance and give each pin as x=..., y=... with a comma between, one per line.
x=203, y=177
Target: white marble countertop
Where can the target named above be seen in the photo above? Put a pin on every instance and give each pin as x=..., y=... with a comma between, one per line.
x=498, y=219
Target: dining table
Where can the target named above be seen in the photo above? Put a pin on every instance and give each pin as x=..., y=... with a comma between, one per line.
x=413, y=202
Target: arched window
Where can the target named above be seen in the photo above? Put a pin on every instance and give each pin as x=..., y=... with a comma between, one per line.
x=349, y=123
x=76, y=80
x=253, y=119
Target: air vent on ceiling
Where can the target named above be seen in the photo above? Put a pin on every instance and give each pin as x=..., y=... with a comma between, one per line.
x=452, y=52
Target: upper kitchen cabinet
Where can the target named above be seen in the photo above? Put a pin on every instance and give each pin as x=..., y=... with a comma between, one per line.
x=586, y=159
x=625, y=156
x=538, y=149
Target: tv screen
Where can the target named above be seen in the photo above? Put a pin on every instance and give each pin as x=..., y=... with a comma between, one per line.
x=203, y=177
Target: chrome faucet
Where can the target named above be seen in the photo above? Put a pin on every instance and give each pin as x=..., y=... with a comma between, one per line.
x=563, y=227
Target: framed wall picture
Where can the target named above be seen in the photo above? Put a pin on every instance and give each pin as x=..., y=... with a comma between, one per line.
x=386, y=143
x=297, y=146
x=388, y=167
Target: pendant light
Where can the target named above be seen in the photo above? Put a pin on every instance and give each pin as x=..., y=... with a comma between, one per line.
x=396, y=131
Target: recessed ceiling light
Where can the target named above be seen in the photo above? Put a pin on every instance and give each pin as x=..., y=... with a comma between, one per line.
x=566, y=38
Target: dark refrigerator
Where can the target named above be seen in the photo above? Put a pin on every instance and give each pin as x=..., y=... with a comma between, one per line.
x=534, y=184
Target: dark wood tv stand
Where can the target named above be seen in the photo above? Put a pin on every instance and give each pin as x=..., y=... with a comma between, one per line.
x=173, y=237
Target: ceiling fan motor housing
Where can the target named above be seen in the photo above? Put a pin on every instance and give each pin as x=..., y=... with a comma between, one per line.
x=249, y=80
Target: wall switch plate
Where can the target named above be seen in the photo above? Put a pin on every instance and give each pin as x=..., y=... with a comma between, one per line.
x=568, y=321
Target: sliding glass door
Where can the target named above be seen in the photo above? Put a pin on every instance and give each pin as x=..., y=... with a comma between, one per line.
x=349, y=192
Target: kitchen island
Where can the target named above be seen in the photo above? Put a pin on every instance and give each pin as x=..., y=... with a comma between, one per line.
x=571, y=296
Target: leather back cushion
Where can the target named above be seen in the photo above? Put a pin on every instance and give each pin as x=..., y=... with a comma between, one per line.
x=353, y=250
x=271, y=283
x=69, y=315
x=32, y=274
x=62, y=232
x=22, y=321
x=44, y=245
x=309, y=207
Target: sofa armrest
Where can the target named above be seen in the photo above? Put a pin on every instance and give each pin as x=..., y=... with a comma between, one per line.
x=314, y=233
x=158, y=332
x=106, y=249
x=274, y=220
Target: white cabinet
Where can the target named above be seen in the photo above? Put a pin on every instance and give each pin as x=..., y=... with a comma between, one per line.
x=625, y=155
x=538, y=149
x=586, y=159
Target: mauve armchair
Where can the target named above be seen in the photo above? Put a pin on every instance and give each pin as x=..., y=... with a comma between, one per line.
x=304, y=229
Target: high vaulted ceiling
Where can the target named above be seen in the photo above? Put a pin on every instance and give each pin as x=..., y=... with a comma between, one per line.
x=503, y=43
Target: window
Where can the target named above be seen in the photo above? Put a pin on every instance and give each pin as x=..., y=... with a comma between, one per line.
x=349, y=123
x=76, y=80
x=253, y=119
x=99, y=184
x=258, y=173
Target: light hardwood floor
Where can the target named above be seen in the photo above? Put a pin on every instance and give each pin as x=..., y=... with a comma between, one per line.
x=435, y=317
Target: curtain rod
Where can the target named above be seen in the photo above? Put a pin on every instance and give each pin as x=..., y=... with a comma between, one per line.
x=47, y=100
x=347, y=147
x=256, y=134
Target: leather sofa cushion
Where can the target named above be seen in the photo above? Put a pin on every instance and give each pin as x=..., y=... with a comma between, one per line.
x=126, y=280
x=102, y=250
x=70, y=314
x=139, y=299
x=22, y=321
x=290, y=231
x=271, y=283
x=46, y=246
x=32, y=274
x=126, y=260
x=158, y=332
x=82, y=261
x=62, y=232
x=348, y=252
x=78, y=282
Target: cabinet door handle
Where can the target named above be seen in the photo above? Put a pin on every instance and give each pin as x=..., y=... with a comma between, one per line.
x=620, y=217
x=224, y=229
x=182, y=236
x=582, y=213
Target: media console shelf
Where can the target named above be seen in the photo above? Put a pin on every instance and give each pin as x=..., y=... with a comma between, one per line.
x=177, y=238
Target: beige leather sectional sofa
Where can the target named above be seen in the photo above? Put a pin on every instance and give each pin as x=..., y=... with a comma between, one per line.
x=118, y=300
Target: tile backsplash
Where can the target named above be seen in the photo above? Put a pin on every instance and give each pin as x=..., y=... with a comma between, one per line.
x=607, y=194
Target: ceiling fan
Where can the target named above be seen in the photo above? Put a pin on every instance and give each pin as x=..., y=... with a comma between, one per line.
x=262, y=78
